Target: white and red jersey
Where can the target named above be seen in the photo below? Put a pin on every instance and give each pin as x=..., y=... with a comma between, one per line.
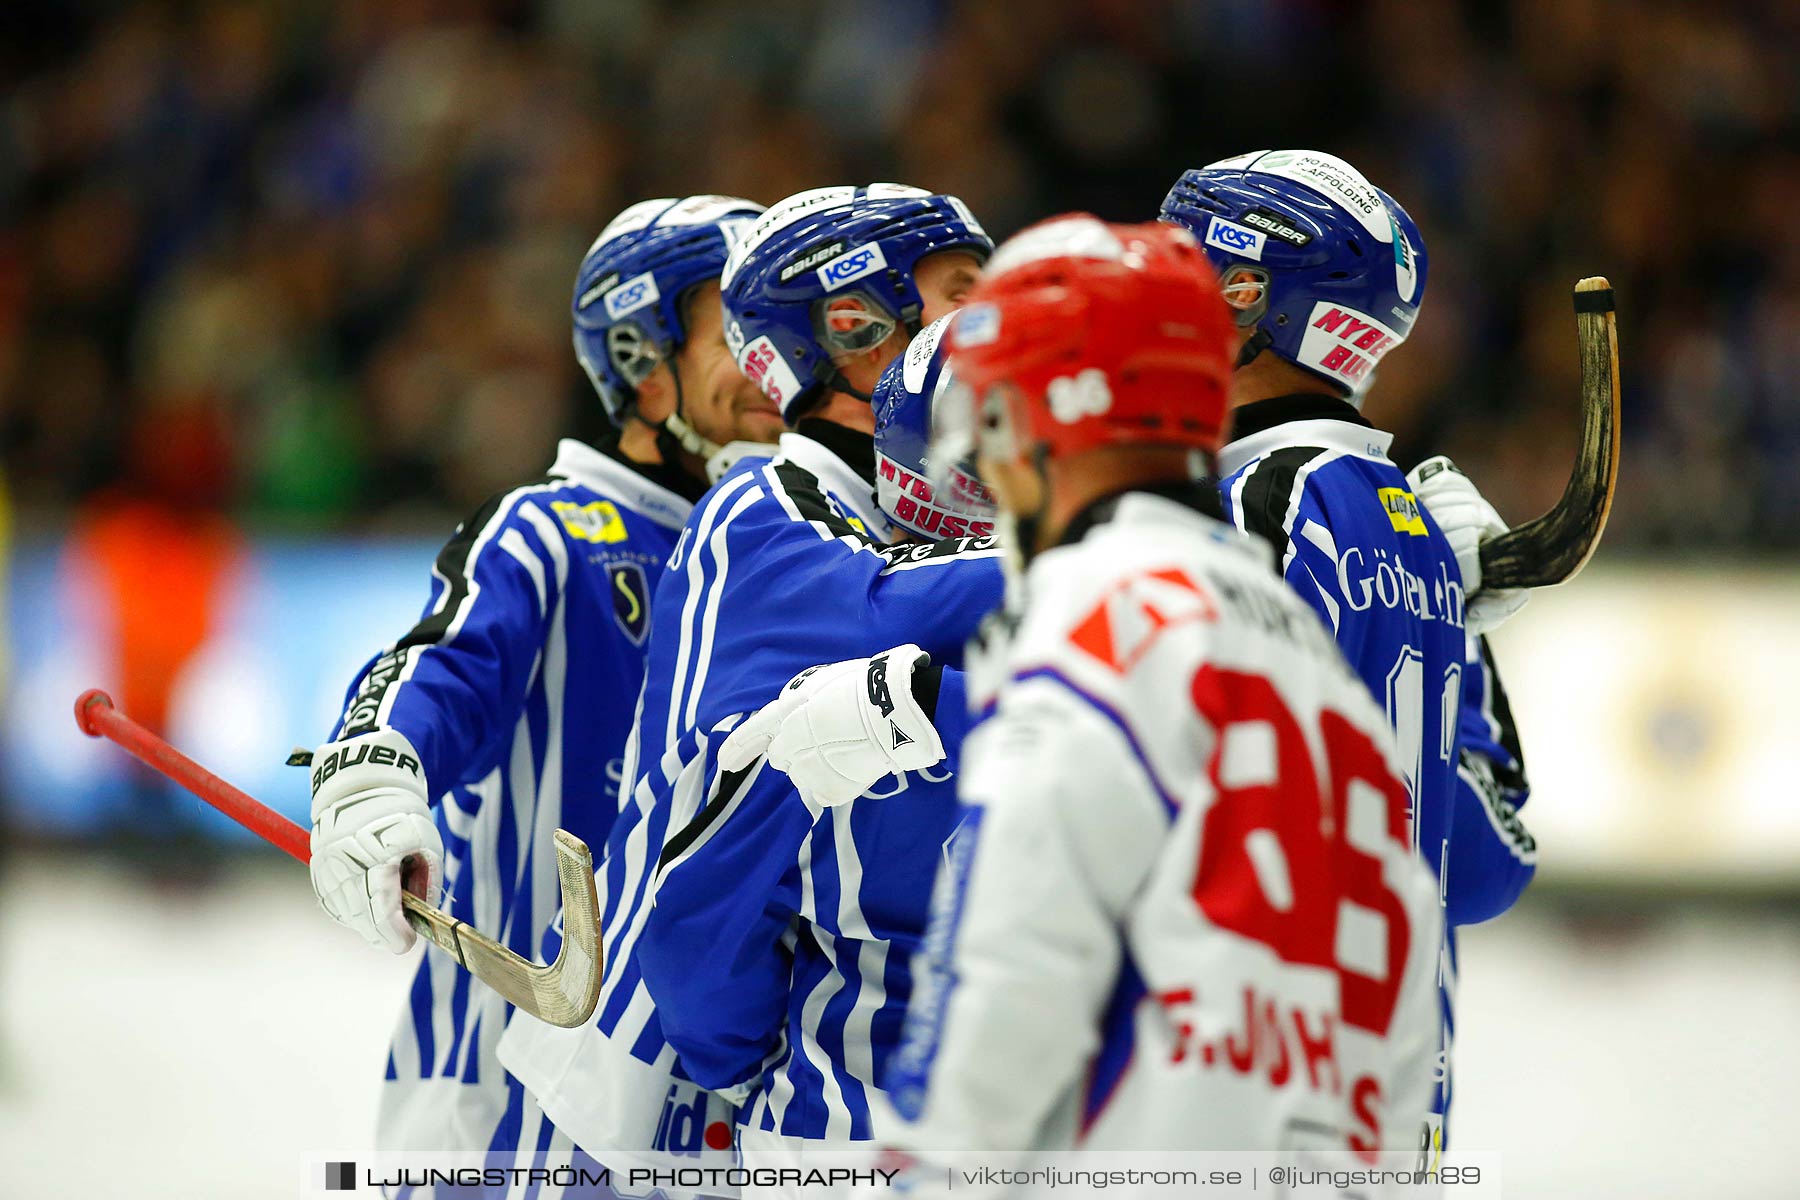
x=1183, y=912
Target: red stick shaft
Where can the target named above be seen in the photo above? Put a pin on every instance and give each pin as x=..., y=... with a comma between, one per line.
x=95, y=713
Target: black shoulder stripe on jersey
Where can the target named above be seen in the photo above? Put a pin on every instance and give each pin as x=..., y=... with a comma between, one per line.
x=801, y=487
x=452, y=565
x=1511, y=778
x=706, y=818
x=914, y=552
x=1268, y=490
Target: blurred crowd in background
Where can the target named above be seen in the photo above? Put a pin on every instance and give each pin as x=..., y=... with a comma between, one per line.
x=307, y=264
x=274, y=267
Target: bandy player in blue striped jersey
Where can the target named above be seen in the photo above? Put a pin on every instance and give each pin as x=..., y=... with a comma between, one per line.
x=503, y=713
x=738, y=930
x=1326, y=273
x=1184, y=913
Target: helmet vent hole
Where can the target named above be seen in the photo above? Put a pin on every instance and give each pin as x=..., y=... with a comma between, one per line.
x=1355, y=246
x=1338, y=275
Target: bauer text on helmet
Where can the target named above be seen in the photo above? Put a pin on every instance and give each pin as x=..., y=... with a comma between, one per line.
x=1322, y=268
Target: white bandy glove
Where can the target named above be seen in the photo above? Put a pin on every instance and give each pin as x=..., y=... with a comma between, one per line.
x=835, y=730
x=371, y=826
x=1467, y=520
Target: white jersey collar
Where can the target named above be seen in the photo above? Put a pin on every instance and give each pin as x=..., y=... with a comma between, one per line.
x=1146, y=510
x=1137, y=512
x=1345, y=436
x=837, y=477
x=580, y=463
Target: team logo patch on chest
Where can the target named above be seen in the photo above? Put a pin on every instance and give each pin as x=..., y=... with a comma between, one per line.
x=630, y=592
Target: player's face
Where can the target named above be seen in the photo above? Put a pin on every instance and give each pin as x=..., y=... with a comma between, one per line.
x=720, y=402
x=1016, y=486
x=944, y=280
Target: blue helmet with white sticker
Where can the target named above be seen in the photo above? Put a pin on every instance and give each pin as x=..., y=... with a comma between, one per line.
x=784, y=280
x=1325, y=267
x=929, y=499
x=634, y=279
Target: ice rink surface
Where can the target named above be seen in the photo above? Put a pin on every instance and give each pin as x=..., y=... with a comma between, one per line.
x=210, y=1044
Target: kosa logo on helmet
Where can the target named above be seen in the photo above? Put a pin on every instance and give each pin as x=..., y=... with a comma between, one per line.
x=635, y=293
x=1345, y=343
x=1234, y=238
x=857, y=264
x=603, y=285
x=763, y=365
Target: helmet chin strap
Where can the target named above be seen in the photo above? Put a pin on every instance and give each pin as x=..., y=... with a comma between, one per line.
x=1254, y=345
x=837, y=381
x=912, y=317
x=688, y=439
x=675, y=435
x=676, y=423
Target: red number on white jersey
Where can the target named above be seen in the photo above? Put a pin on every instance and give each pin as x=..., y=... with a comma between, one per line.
x=1281, y=864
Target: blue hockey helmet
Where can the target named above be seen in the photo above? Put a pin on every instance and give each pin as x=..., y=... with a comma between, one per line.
x=820, y=246
x=632, y=282
x=932, y=500
x=1326, y=267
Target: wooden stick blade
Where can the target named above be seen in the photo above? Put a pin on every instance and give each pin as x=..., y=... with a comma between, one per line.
x=564, y=993
x=1552, y=548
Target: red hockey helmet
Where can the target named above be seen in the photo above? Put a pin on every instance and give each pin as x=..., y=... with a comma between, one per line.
x=1084, y=334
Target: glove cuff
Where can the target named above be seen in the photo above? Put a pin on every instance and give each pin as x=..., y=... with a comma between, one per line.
x=381, y=759
x=904, y=729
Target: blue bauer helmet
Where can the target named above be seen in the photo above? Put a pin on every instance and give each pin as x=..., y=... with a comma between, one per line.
x=926, y=498
x=1326, y=267
x=630, y=289
x=821, y=246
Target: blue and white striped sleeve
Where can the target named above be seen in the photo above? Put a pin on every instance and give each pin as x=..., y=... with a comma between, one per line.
x=454, y=683
x=713, y=949
x=1493, y=857
x=778, y=582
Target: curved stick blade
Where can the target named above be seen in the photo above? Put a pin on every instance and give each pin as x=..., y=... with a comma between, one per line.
x=1553, y=547
x=564, y=993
